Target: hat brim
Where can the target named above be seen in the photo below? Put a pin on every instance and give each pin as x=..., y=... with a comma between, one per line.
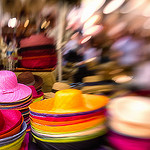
x=12, y=118
x=51, y=123
x=22, y=92
x=11, y=132
x=23, y=129
x=38, y=81
x=15, y=145
x=131, y=130
x=69, y=128
x=92, y=102
x=68, y=117
x=123, y=108
x=77, y=134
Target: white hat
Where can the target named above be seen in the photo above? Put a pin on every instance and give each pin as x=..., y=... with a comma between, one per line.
x=131, y=109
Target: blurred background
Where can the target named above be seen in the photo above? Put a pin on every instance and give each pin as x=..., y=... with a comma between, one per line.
x=108, y=38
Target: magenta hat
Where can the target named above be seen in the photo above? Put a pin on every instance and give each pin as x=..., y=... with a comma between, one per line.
x=121, y=142
x=9, y=120
x=36, y=94
x=10, y=89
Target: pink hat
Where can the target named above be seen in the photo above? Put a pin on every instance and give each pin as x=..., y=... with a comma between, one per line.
x=10, y=89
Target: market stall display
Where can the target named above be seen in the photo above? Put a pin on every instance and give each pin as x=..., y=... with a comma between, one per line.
x=68, y=118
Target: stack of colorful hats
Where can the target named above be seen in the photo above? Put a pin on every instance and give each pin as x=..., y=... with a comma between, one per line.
x=71, y=120
x=12, y=129
x=14, y=95
x=37, y=51
x=129, y=122
x=34, y=82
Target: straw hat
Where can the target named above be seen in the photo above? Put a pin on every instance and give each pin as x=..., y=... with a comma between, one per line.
x=14, y=142
x=56, y=87
x=95, y=78
x=9, y=119
x=28, y=79
x=133, y=109
x=95, y=84
x=129, y=115
x=10, y=89
x=69, y=101
x=129, y=129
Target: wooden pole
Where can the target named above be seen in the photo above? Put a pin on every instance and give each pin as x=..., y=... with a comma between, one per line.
x=1, y=15
x=60, y=32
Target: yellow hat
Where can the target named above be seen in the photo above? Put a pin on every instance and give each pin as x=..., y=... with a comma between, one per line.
x=69, y=101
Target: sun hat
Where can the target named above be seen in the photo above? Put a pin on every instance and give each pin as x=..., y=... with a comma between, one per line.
x=129, y=129
x=29, y=79
x=22, y=131
x=10, y=89
x=69, y=101
x=16, y=105
x=131, y=109
x=96, y=85
x=56, y=87
x=122, y=142
x=10, y=119
x=12, y=132
x=68, y=117
x=16, y=102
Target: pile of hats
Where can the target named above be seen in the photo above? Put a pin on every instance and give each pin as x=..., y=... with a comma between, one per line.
x=12, y=129
x=14, y=95
x=97, y=85
x=129, y=122
x=70, y=120
x=38, y=52
x=56, y=87
x=34, y=82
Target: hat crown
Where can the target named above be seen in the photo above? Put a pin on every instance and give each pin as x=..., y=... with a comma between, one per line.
x=8, y=81
x=60, y=86
x=68, y=99
x=26, y=78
